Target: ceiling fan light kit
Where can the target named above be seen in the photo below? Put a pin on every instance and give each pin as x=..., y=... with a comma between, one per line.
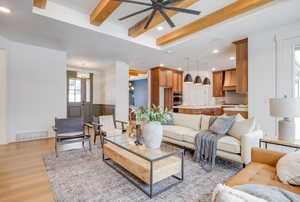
x=158, y=6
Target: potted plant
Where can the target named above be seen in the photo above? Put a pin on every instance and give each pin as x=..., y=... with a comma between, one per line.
x=152, y=118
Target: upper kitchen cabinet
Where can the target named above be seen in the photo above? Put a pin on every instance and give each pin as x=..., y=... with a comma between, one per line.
x=167, y=78
x=230, y=80
x=177, y=82
x=218, y=79
x=242, y=66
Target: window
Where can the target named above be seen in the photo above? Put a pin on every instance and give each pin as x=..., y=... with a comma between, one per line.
x=297, y=73
x=88, y=90
x=74, y=90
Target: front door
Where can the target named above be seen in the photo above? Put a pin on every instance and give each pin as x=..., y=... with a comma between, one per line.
x=79, y=95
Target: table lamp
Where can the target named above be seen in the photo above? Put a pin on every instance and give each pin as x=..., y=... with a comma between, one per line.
x=288, y=108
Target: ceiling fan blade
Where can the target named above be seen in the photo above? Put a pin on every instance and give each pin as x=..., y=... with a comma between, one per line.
x=164, y=15
x=183, y=10
x=170, y=1
x=150, y=17
x=134, y=2
x=136, y=13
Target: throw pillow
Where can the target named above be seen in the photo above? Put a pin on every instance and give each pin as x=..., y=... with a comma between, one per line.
x=240, y=128
x=222, y=125
x=224, y=193
x=205, y=122
x=288, y=168
x=170, y=120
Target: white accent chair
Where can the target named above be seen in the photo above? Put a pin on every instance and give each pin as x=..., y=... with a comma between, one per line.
x=187, y=126
x=106, y=125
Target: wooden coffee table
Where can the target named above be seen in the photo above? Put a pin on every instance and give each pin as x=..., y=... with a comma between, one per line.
x=149, y=165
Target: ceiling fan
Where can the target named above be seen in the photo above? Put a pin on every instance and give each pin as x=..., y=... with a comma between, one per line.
x=158, y=6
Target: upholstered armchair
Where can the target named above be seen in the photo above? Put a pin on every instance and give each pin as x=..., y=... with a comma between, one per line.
x=70, y=130
x=107, y=126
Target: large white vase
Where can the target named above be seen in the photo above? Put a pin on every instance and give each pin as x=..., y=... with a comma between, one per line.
x=153, y=134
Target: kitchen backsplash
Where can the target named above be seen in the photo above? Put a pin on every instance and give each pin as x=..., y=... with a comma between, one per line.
x=232, y=97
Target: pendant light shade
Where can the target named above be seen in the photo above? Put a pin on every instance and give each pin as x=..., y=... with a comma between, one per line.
x=206, y=81
x=188, y=78
x=198, y=80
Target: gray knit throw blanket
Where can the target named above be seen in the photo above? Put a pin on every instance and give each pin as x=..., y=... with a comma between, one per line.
x=206, y=149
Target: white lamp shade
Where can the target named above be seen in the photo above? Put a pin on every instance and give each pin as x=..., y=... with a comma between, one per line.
x=285, y=107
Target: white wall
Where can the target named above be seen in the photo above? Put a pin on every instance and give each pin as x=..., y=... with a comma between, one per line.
x=198, y=94
x=268, y=77
x=3, y=96
x=107, y=81
x=36, y=89
x=37, y=86
x=122, y=92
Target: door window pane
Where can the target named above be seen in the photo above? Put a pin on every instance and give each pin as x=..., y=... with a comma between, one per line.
x=74, y=90
x=88, y=92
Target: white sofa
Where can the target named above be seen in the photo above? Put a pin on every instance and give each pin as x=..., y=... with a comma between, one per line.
x=187, y=126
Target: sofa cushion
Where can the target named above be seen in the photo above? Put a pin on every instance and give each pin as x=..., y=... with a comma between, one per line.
x=259, y=173
x=288, y=168
x=190, y=135
x=179, y=133
x=223, y=193
x=171, y=131
x=187, y=120
x=229, y=144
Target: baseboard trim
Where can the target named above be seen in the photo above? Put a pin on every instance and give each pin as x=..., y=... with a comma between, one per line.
x=27, y=136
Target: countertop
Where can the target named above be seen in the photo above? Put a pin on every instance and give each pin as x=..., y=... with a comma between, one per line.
x=241, y=108
x=237, y=109
x=197, y=106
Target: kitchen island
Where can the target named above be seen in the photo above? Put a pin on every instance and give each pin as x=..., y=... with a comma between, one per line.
x=213, y=110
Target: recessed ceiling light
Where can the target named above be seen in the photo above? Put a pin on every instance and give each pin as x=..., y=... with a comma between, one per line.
x=213, y=69
x=179, y=68
x=159, y=28
x=216, y=51
x=161, y=65
x=5, y=10
x=232, y=58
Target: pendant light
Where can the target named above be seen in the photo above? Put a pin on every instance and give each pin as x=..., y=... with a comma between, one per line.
x=188, y=77
x=198, y=80
x=206, y=81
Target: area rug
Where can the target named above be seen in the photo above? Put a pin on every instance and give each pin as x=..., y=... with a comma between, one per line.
x=83, y=176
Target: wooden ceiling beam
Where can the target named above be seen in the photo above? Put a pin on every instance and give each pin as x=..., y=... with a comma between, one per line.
x=138, y=28
x=40, y=3
x=103, y=10
x=230, y=11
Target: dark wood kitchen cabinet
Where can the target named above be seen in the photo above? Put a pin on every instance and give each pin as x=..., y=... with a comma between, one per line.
x=218, y=82
x=242, y=66
x=167, y=78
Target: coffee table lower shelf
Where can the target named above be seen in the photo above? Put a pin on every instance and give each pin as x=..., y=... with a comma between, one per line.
x=150, y=172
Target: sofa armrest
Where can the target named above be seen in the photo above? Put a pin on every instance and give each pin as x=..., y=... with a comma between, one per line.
x=249, y=141
x=265, y=156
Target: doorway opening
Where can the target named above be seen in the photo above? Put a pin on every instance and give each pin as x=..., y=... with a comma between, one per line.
x=79, y=95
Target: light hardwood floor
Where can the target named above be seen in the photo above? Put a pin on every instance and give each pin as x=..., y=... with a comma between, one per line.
x=22, y=173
